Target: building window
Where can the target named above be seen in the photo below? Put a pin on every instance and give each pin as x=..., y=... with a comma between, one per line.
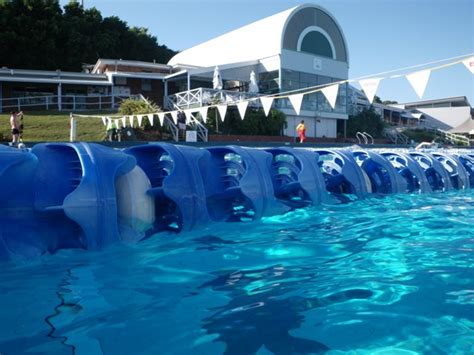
x=316, y=41
x=120, y=80
x=146, y=84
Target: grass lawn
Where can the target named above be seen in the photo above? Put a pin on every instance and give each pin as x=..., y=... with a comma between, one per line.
x=53, y=126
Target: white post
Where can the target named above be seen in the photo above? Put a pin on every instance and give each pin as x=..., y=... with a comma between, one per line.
x=60, y=105
x=47, y=103
x=72, y=136
x=113, y=95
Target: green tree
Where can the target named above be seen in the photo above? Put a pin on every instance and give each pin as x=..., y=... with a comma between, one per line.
x=367, y=121
x=38, y=34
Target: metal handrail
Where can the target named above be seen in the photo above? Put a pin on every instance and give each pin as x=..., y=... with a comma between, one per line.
x=368, y=137
x=74, y=102
x=360, y=134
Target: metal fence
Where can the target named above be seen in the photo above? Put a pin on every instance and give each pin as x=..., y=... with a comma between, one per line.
x=62, y=103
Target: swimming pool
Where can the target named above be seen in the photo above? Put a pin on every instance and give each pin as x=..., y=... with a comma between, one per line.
x=388, y=275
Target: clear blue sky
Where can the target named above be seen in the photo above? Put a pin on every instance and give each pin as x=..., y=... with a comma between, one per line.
x=381, y=34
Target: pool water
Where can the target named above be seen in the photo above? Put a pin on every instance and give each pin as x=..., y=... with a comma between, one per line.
x=389, y=275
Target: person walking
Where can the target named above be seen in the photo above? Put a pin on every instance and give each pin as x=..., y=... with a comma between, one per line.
x=301, y=131
x=15, y=126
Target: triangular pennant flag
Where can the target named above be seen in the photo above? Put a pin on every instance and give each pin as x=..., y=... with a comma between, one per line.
x=130, y=118
x=370, y=87
x=151, y=119
x=469, y=63
x=203, y=113
x=124, y=121
x=140, y=120
x=161, y=117
x=267, y=104
x=242, y=107
x=189, y=116
x=419, y=80
x=222, y=111
x=330, y=92
x=109, y=123
x=104, y=120
x=116, y=123
x=174, y=116
x=296, y=101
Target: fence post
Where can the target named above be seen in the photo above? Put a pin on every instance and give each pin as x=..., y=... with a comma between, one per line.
x=74, y=102
x=18, y=104
x=60, y=94
x=72, y=136
x=100, y=102
x=47, y=103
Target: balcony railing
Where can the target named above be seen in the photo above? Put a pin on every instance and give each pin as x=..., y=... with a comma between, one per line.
x=203, y=97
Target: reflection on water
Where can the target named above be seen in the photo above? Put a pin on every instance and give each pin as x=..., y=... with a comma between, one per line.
x=383, y=276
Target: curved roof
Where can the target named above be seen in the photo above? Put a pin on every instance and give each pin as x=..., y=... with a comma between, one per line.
x=258, y=40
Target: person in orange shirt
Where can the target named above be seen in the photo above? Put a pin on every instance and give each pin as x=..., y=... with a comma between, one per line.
x=301, y=130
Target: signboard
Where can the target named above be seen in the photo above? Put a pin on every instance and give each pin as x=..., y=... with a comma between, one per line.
x=191, y=136
x=317, y=64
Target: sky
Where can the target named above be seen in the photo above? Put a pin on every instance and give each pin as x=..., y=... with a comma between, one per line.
x=382, y=35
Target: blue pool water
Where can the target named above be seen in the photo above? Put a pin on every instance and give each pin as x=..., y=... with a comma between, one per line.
x=381, y=276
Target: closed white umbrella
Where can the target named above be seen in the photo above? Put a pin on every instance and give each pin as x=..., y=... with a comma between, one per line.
x=217, y=80
x=253, y=86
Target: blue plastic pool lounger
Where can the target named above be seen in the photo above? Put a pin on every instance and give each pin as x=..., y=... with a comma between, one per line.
x=80, y=195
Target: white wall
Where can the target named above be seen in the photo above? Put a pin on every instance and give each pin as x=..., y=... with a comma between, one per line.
x=315, y=127
x=308, y=63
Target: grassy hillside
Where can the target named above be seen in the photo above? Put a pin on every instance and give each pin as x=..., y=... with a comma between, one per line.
x=54, y=127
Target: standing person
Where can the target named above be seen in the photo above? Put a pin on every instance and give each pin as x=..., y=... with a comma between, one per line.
x=301, y=130
x=182, y=125
x=15, y=125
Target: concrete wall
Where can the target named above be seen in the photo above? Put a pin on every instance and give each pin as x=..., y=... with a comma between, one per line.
x=315, y=127
x=308, y=63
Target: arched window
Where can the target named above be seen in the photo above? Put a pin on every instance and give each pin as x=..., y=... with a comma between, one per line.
x=317, y=43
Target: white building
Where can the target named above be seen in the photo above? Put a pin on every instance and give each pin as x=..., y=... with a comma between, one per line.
x=295, y=49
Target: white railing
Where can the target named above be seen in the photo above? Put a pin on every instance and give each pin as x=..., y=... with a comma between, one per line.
x=201, y=129
x=396, y=136
x=63, y=102
x=455, y=138
x=204, y=96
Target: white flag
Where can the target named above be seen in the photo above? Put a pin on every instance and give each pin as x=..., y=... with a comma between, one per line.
x=203, y=113
x=330, y=92
x=139, y=119
x=116, y=123
x=267, y=104
x=161, y=117
x=222, y=111
x=104, y=120
x=370, y=87
x=296, y=101
x=130, y=118
x=469, y=63
x=189, y=117
x=151, y=118
x=109, y=123
x=242, y=107
x=418, y=81
x=124, y=121
x=174, y=115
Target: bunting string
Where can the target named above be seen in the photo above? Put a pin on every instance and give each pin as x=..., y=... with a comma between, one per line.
x=369, y=83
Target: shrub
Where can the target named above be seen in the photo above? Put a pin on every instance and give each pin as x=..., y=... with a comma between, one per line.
x=255, y=122
x=367, y=121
